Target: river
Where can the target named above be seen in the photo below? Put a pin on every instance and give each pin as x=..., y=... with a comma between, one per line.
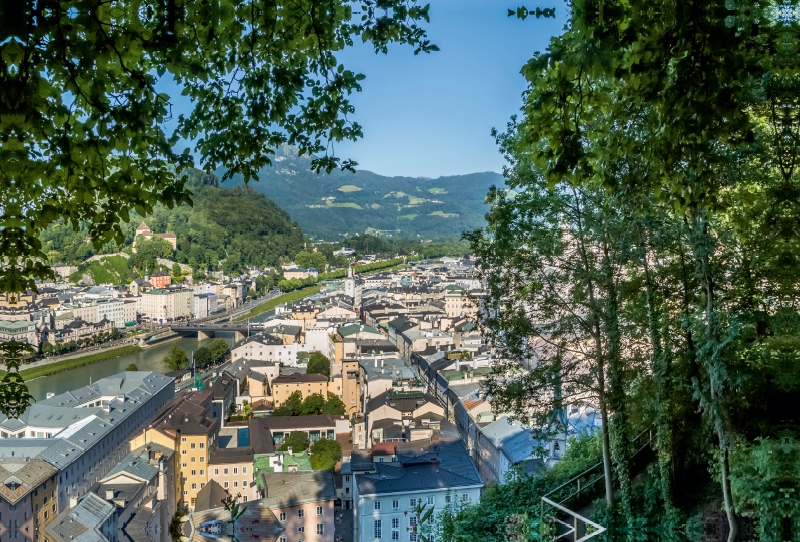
x=148, y=359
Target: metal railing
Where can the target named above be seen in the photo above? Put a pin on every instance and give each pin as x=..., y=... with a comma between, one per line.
x=556, y=521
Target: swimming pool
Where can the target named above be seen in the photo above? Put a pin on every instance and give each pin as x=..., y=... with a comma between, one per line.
x=243, y=437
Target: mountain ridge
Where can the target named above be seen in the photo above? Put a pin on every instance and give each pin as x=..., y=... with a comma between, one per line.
x=330, y=206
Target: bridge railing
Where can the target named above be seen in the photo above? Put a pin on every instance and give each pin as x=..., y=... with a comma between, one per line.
x=559, y=521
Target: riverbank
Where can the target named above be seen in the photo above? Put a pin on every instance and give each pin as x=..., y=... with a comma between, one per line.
x=73, y=363
x=284, y=298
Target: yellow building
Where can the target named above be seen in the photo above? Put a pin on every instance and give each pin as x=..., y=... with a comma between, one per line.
x=307, y=384
x=186, y=428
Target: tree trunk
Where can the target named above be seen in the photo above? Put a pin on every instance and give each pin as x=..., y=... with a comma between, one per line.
x=715, y=383
x=620, y=441
x=660, y=368
x=607, y=472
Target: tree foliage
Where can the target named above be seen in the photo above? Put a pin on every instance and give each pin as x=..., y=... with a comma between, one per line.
x=313, y=405
x=319, y=364
x=176, y=359
x=673, y=122
x=296, y=440
x=132, y=367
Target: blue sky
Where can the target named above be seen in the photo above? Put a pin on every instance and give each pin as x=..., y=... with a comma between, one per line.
x=431, y=115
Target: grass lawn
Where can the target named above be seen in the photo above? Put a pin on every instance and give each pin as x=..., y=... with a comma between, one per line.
x=329, y=203
x=59, y=366
x=349, y=188
x=437, y=190
x=285, y=298
x=414, y=200
x=443, y=214
x=409, y=217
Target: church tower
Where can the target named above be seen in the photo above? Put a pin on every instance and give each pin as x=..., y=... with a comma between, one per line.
x=350, y=283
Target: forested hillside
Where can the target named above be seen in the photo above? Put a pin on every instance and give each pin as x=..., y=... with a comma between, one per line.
x=236, y=226
x=330, y=205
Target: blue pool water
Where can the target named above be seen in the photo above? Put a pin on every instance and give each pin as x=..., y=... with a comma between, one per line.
x=243, y=437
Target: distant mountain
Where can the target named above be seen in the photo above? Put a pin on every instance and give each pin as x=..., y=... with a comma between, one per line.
x=236, y=225
x=327, y=206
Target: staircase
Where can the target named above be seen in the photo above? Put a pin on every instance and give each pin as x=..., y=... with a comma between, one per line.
x=563, y=511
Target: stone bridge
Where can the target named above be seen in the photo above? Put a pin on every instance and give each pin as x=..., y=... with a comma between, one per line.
x=206, y=331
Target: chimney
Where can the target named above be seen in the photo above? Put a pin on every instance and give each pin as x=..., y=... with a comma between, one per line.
x=109, y=494
x=73, y=502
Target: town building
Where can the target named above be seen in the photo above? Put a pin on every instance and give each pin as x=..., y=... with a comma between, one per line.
x=167, y=305
x=28, y=499
x=88, y=519
x=142, y=488
x=187, y=428
x=387, y=495
x=85, y=432
x=233, y=469
x=284, y=385
x=302, y=502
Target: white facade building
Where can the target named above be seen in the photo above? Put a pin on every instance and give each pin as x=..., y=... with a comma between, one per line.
x=85, y=432
x=385, y=495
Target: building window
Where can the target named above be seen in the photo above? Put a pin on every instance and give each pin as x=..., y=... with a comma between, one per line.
x=377, y=531
x=395, y=523
x=183, y=439
x=465, y=497
x=225, y=485
x=346, y=478
x=447, y=499
x=184, y=452
x=380, y=460
x=184, y=465
x=430, y=500
x=236, y=483
x=202, y=459
x=283, y=539
x=412, y=502
x=194, y=501
x=395, y=504
x=235, y=470
x=192, y=459
x=225, y=471
x=216, y=472
x=320, y=528
x=194, y=486
x=244, y=498
x=377, y=505
x=301, y=513
x=202, y=445
x=395, y=535
x=45, y=517
x=283, y=517
x=185, y=492
x=191, y=446
x=194, y=473
x=244, y=483
x=301, y=529
x=202, y=472
x=319, y=510
x=244, y=470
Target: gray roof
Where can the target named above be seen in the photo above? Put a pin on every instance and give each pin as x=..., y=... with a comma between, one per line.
x=82, y=523
x=82, y=428
x=421, y=466
x=291, y=488
x=510, y=437
x=138, y=463
x=210, y=496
